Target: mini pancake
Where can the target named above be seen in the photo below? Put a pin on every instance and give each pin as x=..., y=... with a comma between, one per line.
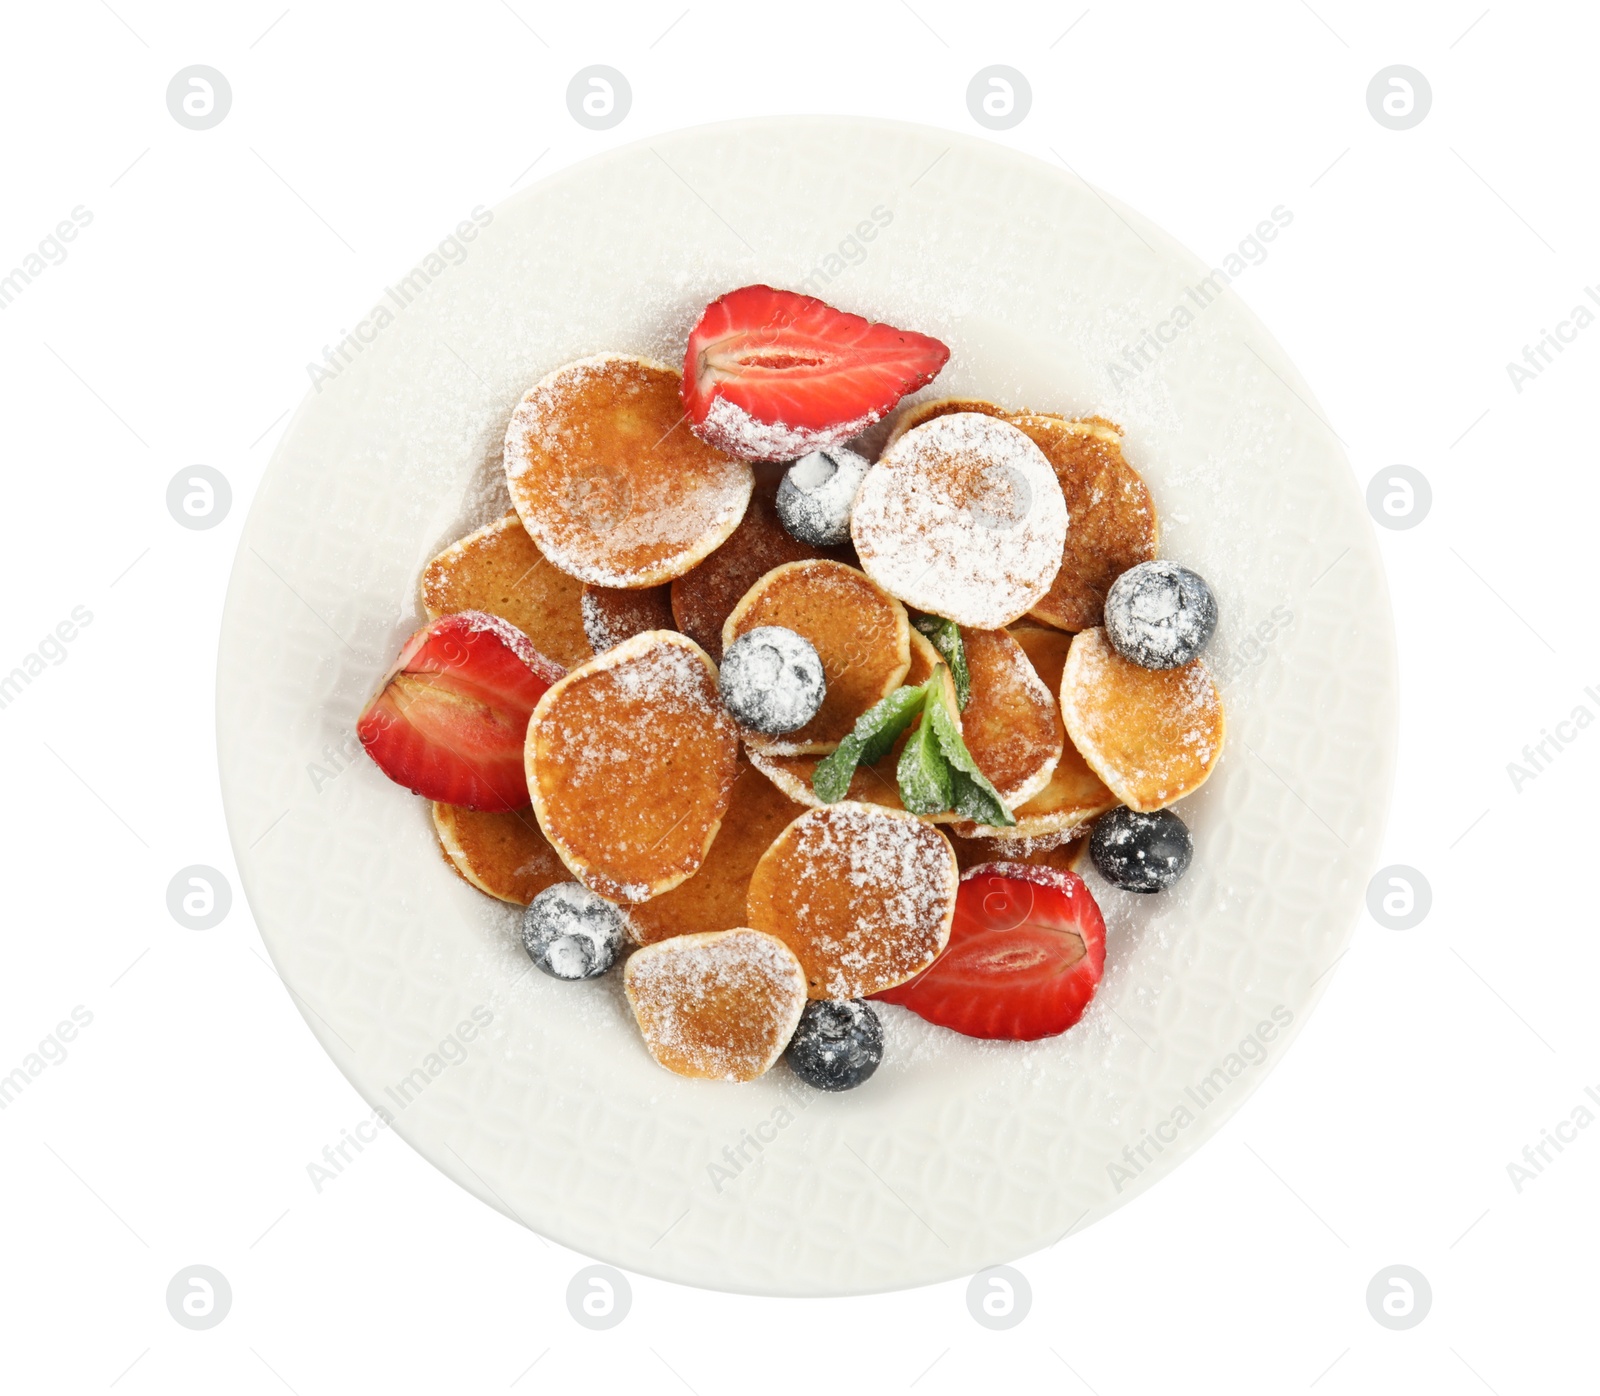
x=631, y=760
x=608, y=479
x=499, y=569
x=863, y=896
x=861, y=634
x=1074, y=794
x=714, y=898
x=1011, y=723
x=720, y=1006
x=501, y=853
x=1113, y=525
x=612, y=615
x=919, y=412
x=1152, y=735
x=1061, y=851
x=870, y=785
x=962, y=517
x=702, y=599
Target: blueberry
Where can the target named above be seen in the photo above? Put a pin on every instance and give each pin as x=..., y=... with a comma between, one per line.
x=1141, y=852
x=1160, y=615
x=815, y=496
x=838, y=1044
x=573, y=933
x=771, y=680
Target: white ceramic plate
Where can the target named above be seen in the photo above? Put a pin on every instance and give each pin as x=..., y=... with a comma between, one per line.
x=957, y=1154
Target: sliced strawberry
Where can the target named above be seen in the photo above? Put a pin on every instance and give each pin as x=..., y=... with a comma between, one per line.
x=771, y=375
x=451, y=717
x=1026, y=952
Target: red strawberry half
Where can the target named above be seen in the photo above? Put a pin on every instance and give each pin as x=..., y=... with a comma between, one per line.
x=771, y=375
x=451, y=718
x=1026, y=952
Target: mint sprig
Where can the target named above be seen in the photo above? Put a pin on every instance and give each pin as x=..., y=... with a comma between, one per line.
x=924, y=773
x=973, y=796
x=945, y=636
x=935, y=773
x=867, y=743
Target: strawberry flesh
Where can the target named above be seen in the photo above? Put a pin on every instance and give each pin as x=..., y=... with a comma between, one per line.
x=771, y=375
x=1027, y=949
x=451, y=717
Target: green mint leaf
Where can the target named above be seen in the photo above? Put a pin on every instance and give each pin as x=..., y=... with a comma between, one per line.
x=894, y=716
x=979, y=802
x=971, y=794
x=923, y=772
x=867, y=744
x=946, y=638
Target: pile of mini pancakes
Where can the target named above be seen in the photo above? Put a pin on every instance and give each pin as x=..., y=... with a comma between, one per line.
x=637, y=553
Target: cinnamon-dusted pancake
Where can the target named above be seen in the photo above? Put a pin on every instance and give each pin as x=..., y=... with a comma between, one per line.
x=702, y=599
x=1152, y=735
x=714, y=898
x=1011, y=723
x=919, y=412
x=870, y=785
x=631, y=760
x=612, y=615
x=1074, y=794
x=962, y=517
x=1114, y=524
x=501, y=853
x=861, y=634
x=500, y=570
x=863, y=896
x=721, y=1006
x=1061, y=851
x=609, y=480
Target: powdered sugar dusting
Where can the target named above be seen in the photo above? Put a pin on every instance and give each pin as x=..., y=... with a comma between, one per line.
x=631, y=763
x=1152, y=735
x=720, y=1005
x=962, y=517
x=728, y=427
x=608, y=479
x=862, y=895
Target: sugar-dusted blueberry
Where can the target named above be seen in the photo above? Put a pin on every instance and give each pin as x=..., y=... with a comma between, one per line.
x=1141, y=852
x=816, y=493
x=1160, y=615
x=573, y=933
x=838, y=1044
x=771, y=680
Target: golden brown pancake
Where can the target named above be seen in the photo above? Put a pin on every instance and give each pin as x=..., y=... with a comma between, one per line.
x=714, y=898
x=499, y=569
x=631, y=760
x=1152, y=735
x=1074, y=794
x=860, y=632
x=721, y=1006
x=1113, y=521
x=702, y=599
x=608, y=478
x=1011, y=723
x=863, y=896
x=501, y=853
x=612, y=615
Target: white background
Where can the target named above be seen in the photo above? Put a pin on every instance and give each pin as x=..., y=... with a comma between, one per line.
x=179, y=1128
